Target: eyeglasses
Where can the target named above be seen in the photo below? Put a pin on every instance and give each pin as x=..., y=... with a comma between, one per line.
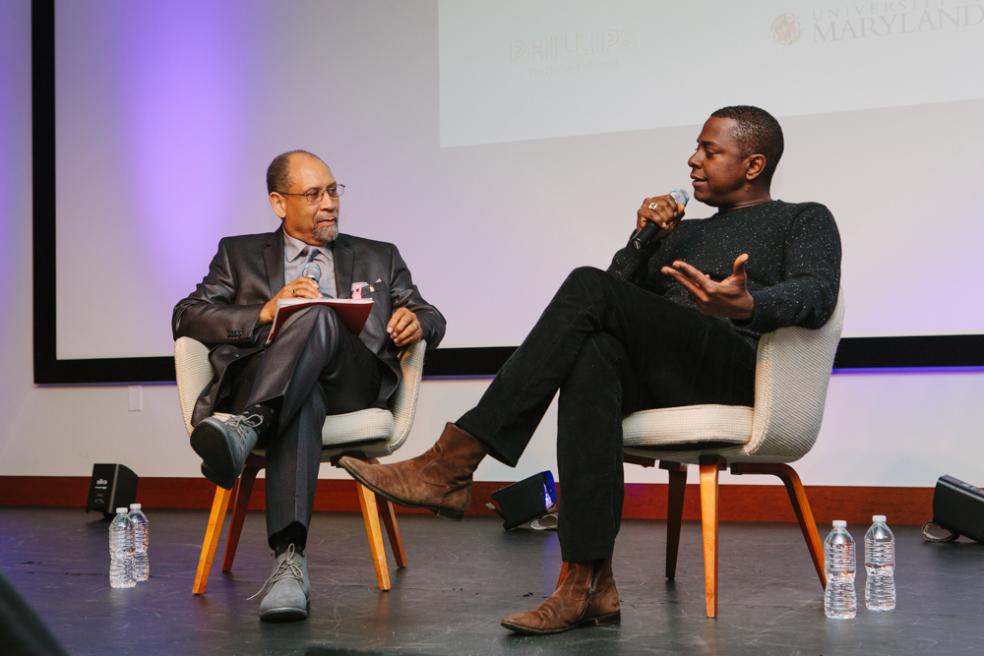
x=314, y=196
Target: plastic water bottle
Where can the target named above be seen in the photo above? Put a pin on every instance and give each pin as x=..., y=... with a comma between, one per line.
x=121, y=551
x=141, y=543
x=840, y=601
x=879, y=563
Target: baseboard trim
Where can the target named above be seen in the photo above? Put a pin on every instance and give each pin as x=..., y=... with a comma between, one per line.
x=738, y=503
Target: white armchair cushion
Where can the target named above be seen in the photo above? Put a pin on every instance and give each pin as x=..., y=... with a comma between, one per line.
x=692, y=424
x=791, y=377
x=193, y=373
x=358, y=426
x=375, y=431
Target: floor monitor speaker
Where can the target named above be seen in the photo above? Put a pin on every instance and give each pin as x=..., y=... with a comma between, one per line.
x=111, y=487
x=959, y=507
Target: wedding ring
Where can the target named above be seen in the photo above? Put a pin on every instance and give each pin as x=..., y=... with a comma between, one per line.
x=653, y=205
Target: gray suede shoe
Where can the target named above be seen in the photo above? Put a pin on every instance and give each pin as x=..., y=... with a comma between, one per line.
x=288, y=598
x=224, y=445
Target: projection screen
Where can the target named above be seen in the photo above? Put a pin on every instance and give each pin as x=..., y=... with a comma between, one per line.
x=497, y=144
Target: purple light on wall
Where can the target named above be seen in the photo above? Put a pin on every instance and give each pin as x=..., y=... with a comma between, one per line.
x=910, y=370
x=15, y=117
x=184, y=115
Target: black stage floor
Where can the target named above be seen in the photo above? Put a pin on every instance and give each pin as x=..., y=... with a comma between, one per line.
x=463, y=577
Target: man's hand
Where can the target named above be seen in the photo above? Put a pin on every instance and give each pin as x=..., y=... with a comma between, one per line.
x=404, y=328
x=728, y=298
x=664, y=211
x=300, y=288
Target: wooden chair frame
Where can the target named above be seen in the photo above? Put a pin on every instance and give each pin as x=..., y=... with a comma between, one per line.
x=373, y=507
x=193, y=370
x=709, y=466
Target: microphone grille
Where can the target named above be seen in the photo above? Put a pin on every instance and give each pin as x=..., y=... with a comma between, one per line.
x=680, y=196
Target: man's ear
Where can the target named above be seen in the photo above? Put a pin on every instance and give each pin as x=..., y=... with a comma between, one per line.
x=277, y=203
x=755, y=166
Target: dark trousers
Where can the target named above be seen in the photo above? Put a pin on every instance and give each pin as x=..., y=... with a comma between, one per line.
x=610, y=348
x=314, y=368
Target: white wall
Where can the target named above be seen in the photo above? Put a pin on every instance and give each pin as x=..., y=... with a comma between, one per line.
x=880, y=429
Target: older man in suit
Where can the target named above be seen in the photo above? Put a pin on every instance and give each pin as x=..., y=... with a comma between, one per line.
x=280, y=393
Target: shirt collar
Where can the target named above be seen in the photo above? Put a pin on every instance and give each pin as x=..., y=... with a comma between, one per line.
x=294, y=247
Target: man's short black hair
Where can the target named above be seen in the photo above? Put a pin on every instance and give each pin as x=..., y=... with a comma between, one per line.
x=278, y=173
x=757, y=131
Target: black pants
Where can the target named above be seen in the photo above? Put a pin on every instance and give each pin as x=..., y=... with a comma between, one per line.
x=610, y=348
x=314, y=368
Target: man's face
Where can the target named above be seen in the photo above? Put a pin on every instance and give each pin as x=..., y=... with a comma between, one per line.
x=313, y=223
x=717, y=167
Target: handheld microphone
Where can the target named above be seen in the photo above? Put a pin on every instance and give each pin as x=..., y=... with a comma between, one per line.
x=313, y=271
x=650, y=230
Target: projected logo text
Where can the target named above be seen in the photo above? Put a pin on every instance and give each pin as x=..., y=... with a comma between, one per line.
x=880, y=19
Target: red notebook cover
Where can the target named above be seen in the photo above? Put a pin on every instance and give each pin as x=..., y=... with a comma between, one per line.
x=352, y=312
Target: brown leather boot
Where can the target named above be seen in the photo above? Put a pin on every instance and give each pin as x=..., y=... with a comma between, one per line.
x=586, y=596
x=439, y=479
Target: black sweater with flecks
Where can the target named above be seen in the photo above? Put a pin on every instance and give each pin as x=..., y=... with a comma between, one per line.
x=793, y=265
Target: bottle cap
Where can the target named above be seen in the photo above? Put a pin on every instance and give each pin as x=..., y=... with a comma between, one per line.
x=135, y=506
x=840, y=523
x=121, y=509
x=879, y=518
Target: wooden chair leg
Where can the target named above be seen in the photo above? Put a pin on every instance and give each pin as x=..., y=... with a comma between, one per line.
x=370, y=515
x=240, y=504
x=642, y=461
x=709, y=467
x=801, y=506
x=220, y=504
x=388, y=512
x=674, y=513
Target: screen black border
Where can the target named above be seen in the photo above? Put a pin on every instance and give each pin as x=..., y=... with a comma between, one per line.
x=932, y=351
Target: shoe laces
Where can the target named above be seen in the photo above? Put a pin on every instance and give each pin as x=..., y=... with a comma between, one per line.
x=242, y=423
x=286, y=569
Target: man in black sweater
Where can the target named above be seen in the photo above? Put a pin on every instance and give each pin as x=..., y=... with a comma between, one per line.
x=674, y=324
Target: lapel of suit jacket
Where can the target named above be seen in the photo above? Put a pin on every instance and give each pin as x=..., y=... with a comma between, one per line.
x=344, y=262
x=273, y=258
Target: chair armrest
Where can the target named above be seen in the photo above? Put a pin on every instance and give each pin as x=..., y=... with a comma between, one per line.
x=791, y=378
x=404, y=404
x=193, y=372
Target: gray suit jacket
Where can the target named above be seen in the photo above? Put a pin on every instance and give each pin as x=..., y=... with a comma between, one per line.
x=248, y=270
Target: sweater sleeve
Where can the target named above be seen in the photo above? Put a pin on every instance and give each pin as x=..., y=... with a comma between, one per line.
x=808, y=293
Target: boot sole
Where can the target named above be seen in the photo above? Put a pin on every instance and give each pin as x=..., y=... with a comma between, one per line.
x=611, y=618
x=221, y=481
x=286, y=614
x=442, y=512
x=211, y=445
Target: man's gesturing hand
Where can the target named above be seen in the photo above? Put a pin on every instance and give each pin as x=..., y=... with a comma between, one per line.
x=728, y=298
x=404, y=328
x=300, y=288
